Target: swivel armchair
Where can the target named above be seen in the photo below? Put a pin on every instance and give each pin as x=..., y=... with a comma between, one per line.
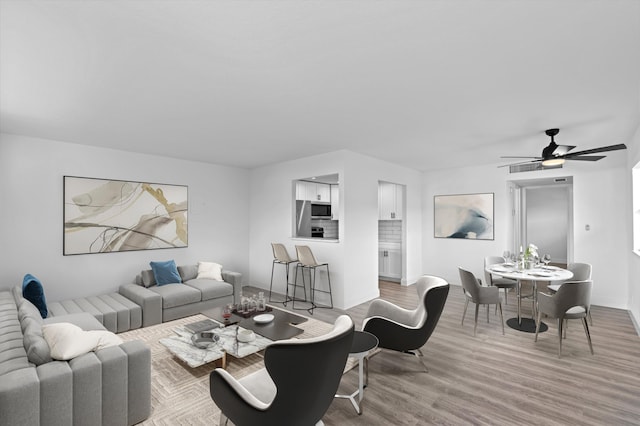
x=407, y=330
x=296, y=387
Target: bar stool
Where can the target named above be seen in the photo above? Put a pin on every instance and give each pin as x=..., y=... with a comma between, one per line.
x=306, y=260
x=281, y=257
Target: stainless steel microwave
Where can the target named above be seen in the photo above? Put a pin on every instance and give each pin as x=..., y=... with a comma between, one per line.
x=320, y=210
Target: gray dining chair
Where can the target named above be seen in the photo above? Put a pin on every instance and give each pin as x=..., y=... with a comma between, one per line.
x=571, y=301
x=475, y=292
x=491, y=280
x=581, y=272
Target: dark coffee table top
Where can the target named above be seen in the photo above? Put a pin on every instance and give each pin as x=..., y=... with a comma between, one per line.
x=281, y=328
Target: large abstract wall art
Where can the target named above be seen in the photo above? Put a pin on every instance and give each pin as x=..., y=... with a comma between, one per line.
x=468, y=216
x=102, y=216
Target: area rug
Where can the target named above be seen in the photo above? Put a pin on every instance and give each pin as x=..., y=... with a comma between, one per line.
x=180, y=394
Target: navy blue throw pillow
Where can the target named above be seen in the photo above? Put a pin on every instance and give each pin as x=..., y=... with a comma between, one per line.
x=32, y=291
x=165, y=272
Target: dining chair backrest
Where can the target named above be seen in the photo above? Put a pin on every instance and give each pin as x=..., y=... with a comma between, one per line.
x=305, y=256
x=280, y=253
x=470, y=284
x=569, y=295
x=488, y=261
x=581, y=271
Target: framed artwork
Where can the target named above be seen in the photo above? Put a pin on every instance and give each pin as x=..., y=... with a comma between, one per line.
x=103, y=216
x=466, y=216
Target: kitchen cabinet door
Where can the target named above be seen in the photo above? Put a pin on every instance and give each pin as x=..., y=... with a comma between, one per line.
x=390, y=263
x=389, y=201
x=323, y=192
x=395, y=263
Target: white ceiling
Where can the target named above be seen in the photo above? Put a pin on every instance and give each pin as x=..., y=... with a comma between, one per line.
x=426, y=84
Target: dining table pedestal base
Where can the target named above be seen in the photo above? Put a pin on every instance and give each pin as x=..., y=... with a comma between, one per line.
x=528, y=325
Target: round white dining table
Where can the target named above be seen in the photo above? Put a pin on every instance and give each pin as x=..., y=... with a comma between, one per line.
x=538, y=273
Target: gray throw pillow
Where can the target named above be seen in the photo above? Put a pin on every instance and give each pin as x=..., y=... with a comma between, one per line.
x=37, y=348
x=148, y=279
x=188, y=272
x=28, y=309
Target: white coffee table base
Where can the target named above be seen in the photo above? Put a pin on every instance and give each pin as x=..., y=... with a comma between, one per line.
x=363, y=344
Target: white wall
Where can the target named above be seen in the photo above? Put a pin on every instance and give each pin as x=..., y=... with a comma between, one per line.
x=31, y=221
x=353, y=260
x=634, y=259
x=600, y=200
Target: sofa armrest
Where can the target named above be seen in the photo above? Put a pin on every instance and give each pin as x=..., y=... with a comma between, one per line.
x=20, y=397
x=150, y=302
x=235, y=279
x=139, y=381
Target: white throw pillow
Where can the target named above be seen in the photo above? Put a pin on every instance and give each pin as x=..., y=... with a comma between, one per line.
x=210, y=270
x=68, y=341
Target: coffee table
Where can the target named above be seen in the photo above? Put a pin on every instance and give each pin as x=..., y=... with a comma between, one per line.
x=279, y=329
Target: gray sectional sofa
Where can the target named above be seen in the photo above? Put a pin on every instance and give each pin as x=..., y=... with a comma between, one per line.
x=111, y=386
x=172, y=301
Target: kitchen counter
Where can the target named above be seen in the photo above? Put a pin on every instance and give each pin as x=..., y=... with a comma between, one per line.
x=316, y=239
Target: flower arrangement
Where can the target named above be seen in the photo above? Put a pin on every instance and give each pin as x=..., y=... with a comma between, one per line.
x=531, y=253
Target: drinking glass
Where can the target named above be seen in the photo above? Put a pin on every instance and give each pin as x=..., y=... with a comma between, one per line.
x=546, y=259
x=507, y=255
x=226, y=312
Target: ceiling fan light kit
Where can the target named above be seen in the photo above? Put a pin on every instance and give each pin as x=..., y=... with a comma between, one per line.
x=555, y=155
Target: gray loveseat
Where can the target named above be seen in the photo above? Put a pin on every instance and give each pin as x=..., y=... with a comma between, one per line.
x=172, y=301
x=111, y=386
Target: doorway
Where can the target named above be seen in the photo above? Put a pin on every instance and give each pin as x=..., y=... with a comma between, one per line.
x=391, y=231
x=543, y=215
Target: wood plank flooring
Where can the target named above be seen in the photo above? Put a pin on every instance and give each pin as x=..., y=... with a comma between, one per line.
x=497, y=379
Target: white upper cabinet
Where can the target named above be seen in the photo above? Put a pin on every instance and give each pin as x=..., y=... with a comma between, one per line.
x=335, y=202
x=312, y=191
x=323, y=192
x=390, y=201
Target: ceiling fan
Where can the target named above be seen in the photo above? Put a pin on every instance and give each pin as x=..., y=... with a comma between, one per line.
x=555, y=155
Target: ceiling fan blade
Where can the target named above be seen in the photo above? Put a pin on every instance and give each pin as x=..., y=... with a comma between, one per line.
x=562, y=150
x=596, y=150
x=586, y=157
x=528, y=156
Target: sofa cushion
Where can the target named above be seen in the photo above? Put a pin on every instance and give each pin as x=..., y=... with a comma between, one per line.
x=211, y=289
x=165, y=272
x=210, y=270
x=68, y=341
x=36, y=346
x=32, y=290
x=188, y=272
x=84, y=320
x=177, y=295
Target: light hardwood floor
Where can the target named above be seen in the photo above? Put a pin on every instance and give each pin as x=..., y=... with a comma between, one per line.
x=497, y=379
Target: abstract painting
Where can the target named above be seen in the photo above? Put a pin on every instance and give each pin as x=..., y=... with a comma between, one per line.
x=467, y=216
x=102, y=216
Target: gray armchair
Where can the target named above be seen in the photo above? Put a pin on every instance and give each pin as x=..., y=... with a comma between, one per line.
x=407, y=330
x=297, y=385
x=480, y=295
x=571, y=301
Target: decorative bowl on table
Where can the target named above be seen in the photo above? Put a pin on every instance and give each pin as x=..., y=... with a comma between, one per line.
x=204, y=339
x=263, y=318
x=246, y=336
